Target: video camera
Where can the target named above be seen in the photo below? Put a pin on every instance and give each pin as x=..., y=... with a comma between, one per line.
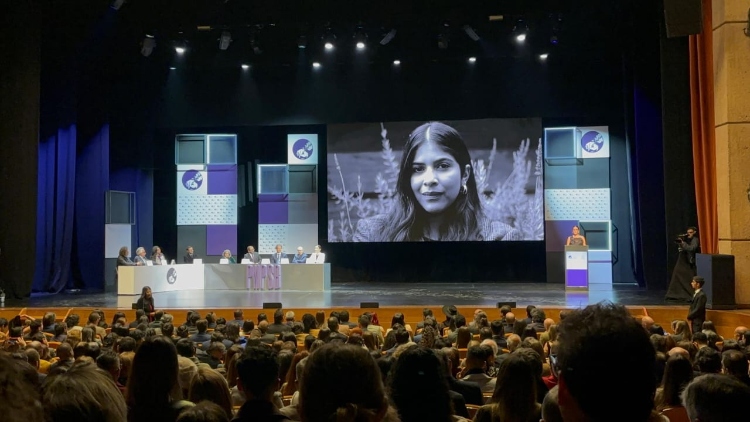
x=681, y=238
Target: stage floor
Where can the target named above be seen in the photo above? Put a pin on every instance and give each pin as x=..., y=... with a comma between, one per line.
x=351, y=294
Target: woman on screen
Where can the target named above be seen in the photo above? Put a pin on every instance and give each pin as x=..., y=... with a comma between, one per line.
x=436, y=198
x=576, y=238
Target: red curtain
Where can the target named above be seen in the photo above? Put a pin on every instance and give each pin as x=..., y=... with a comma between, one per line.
x=703, y=125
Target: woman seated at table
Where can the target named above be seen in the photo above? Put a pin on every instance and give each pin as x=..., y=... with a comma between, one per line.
x=228, y=256
x=157, y=257
x=123, y=258
x=576, y=238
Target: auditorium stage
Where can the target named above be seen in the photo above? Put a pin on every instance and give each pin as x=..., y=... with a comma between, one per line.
x=351, y=294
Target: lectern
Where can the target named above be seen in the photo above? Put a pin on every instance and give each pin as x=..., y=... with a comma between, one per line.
x=576, y=267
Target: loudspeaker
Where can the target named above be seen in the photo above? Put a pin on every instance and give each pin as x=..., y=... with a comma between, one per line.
x=369, y=305
x=272, y=305
x=718, y=271
x=683, y=17
x=501, y=304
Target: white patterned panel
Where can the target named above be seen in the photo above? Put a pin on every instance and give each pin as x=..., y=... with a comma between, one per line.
x=206, y=209
x=576, y=204
x=270, y=235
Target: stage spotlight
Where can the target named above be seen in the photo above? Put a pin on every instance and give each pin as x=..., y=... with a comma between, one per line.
x=179, y=49
x=471, y=33
x=225, y=40
x=117, y=4
x=302, y=42
x=472, y=59
x=360, y=37
x=360, y=45
x=316, y=65
x=553, y=40
x=245, y=66
x=543, y=56
x=396, y=62
x=148, y=45
x=328, y=45
x=172, y=68
x=521, y=37
x=388, y=37
x=520, y=30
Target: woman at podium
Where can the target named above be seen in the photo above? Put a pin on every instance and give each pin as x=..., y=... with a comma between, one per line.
x=576, y=239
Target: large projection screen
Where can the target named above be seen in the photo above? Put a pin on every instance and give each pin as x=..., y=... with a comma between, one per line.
x=465, y=180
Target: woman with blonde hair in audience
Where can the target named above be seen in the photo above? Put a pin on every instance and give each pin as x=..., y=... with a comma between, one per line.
x=343, y=383
x=515, y=395
x=153, y=390
x=682, y=331
x=208, y=384
x=292, y=378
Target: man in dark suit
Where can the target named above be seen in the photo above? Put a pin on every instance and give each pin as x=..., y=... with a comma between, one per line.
x=697, y=312
x=278, y=255
x=189, y=256
x=202, y=334
x=253, y=256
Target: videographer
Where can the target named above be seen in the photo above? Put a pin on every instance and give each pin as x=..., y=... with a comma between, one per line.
x=684, y=271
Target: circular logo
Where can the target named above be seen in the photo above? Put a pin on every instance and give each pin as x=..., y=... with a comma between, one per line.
x=192, y=179
x=172, y=276
x=592, y=142
x=302, y=149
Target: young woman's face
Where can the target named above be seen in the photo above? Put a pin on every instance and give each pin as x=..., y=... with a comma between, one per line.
x=435, y=178
x=575, y=231
x=148, y=293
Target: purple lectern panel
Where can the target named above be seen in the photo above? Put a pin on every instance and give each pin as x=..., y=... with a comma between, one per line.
x=577, y=279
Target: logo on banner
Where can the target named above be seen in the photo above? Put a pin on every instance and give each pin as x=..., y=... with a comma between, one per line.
x=192, y=180
x=172, y=276
x=592, y=142
x=302, y=149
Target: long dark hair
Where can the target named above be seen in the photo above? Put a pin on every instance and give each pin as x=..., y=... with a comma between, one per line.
x=677, y=374
x=143, y=294
x=152, y=384
x=462, y=217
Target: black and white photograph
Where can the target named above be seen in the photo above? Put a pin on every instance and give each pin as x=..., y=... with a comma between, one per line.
x=463, y=180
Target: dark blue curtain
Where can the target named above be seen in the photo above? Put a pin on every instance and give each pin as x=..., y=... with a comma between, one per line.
x=55, y=210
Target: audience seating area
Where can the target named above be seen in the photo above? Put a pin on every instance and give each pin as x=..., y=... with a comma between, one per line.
x=469, y=364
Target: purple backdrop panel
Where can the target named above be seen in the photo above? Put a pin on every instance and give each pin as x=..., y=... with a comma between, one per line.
x=557, y=232
x=577, y=278
x=222, y=179
x=221, y=237
x=273, y=213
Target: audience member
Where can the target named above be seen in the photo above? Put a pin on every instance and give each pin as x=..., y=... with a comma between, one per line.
x=716, y=398
x=83, y=393
x=514, y=397
x=258, y=371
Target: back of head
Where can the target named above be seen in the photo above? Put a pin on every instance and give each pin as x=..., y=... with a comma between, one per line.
x=331, y=368
x=278, y=316
x=735, y=363
x=417, y=378
x=18, y=398
x=715, y=398
x=708, y=360
x=153, y=375
x=591, y=342
x=83, y=393
x=551, y=407
x=208, y=384
x=515, y=389
x=258, y=371
x=204, y=411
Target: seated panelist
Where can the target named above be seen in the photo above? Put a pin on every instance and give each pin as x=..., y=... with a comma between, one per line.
x=300, y=257
x=228, y=255
x=253, y=256
x=190, y=255
x=140, y=256
x=317, y=257
x=158, y=257
x=277, y=256
x=123, y=258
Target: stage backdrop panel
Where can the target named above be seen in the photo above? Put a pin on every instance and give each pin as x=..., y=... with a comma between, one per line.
x=503, y=180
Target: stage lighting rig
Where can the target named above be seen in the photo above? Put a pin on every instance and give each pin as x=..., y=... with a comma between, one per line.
x=388, y=37
x=302, y=41
x=225, y=40
x=255, y=44
x=360, y=37
x=443, y=39
x=471, y=33
x=148, y=45
x=520, y=31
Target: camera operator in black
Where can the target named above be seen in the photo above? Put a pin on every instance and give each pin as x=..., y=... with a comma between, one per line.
x=684, y=271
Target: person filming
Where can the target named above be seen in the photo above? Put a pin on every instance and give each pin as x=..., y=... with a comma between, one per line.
x=688, y=245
